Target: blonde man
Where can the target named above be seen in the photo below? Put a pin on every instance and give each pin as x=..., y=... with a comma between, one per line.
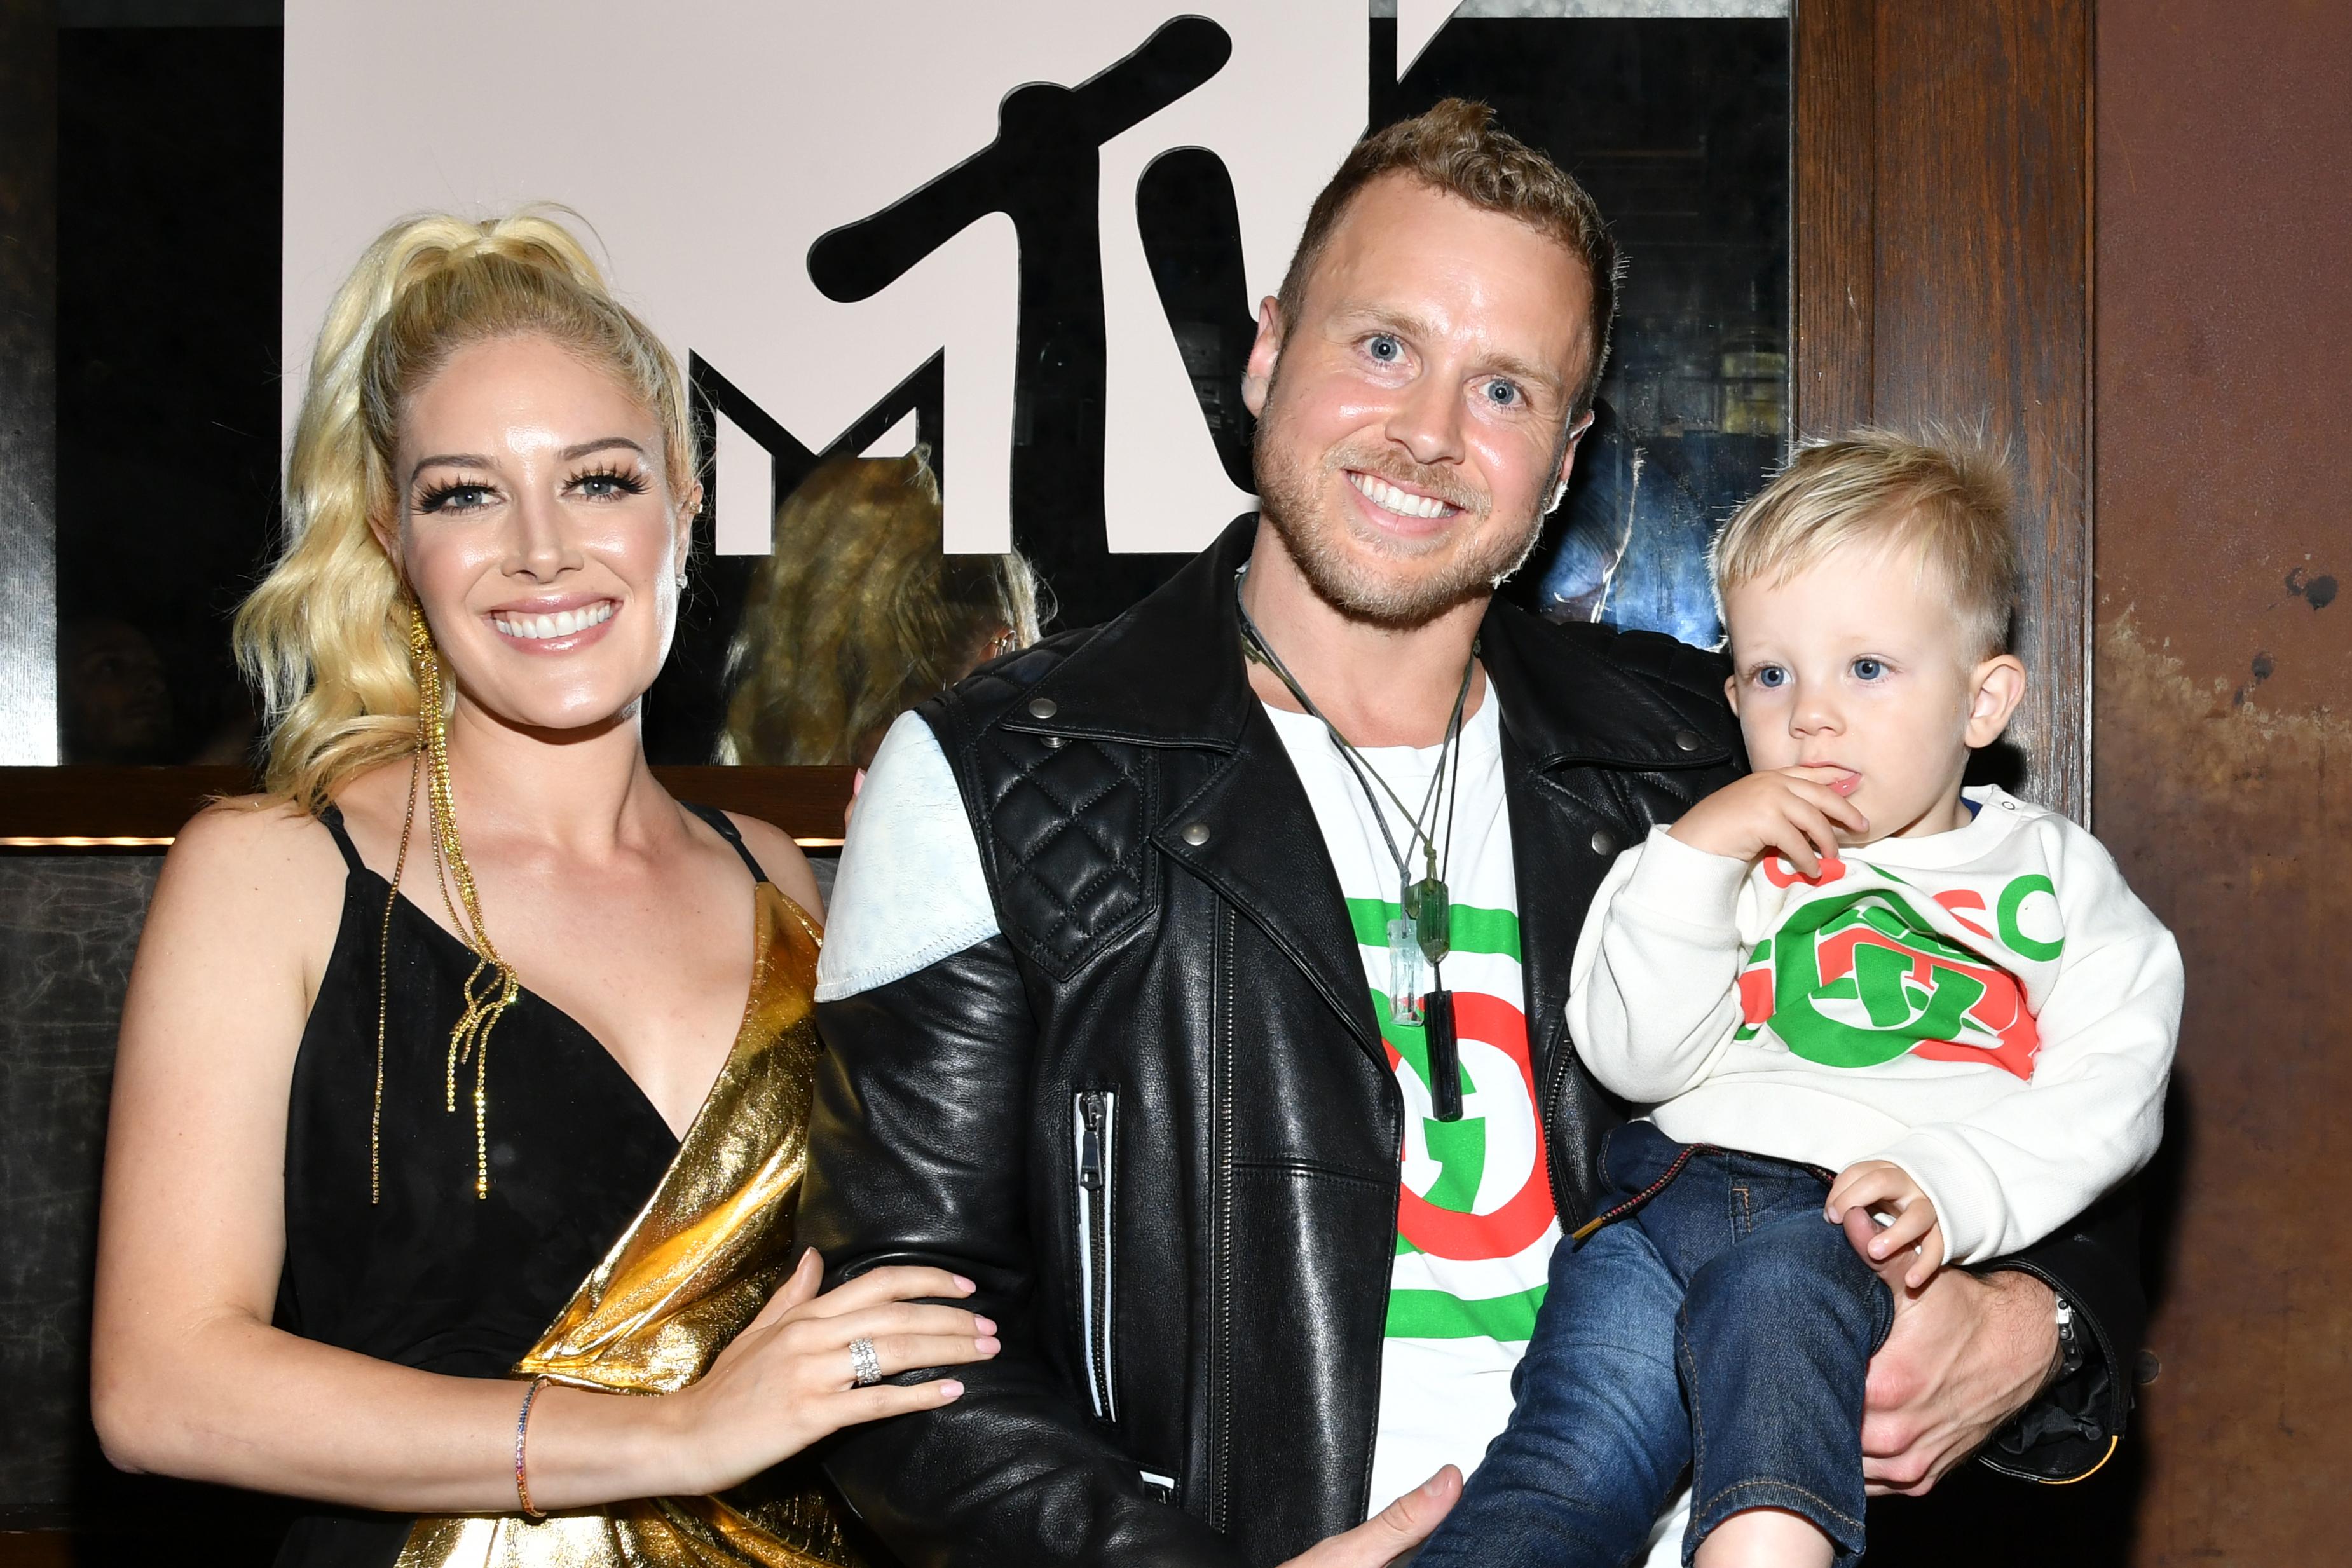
x=1842, y=982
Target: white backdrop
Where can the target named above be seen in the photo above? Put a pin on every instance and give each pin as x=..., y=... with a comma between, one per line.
x=709, y=142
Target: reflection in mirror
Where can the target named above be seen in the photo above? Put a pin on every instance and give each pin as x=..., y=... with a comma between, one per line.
x=1675, y=115
x=855, y=616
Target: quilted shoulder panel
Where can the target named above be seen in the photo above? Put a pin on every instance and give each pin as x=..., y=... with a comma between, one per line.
x=1063, y=823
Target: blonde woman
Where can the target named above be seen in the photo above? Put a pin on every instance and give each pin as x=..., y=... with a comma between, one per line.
x=464, y=1075
x=855, y=616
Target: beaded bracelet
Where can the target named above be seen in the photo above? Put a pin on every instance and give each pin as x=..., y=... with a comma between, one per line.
x=522, y=1431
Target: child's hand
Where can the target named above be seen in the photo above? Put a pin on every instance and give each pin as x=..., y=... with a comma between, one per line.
x=1796, y=810
x=1868, y=1184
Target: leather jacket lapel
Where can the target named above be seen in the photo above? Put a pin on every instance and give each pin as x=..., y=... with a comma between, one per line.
x=1249, y=832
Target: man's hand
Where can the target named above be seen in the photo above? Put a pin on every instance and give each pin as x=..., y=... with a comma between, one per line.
x=1866, y=1185
x=1389, y=1533
x=1797, y=810
x=1965, y=1354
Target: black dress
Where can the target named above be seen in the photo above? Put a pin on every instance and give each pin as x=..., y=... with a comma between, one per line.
x=430, y=1276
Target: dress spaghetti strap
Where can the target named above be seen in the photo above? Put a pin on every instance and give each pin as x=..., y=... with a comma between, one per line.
x=725, y=828
x=332, y=817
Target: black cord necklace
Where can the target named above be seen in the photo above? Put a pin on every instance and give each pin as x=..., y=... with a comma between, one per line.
x=1422, y=929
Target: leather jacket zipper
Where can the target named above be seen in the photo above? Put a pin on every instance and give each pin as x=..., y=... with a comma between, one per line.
x=1548, y=1107
x=1221, y=1141
x=1094, y=1126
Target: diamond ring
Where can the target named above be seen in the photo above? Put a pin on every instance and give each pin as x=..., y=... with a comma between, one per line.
x=864, y=1366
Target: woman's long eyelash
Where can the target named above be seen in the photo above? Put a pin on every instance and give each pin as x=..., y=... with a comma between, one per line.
x=632, y=484
x=434, y=499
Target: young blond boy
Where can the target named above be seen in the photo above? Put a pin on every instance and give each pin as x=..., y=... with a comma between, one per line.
x=1843, y=963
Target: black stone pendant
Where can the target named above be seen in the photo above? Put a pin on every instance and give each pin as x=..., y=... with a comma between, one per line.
x=1444, y=1058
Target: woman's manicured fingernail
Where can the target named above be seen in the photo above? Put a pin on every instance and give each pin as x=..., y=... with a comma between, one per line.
x=985, y=1326
x=948, y=1388
x=965, y=1285
x=987, y=1345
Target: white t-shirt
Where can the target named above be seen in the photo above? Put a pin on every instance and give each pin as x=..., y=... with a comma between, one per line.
x=1474, y=1221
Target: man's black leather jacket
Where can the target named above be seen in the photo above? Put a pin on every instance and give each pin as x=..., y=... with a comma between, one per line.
x=1153, y=1119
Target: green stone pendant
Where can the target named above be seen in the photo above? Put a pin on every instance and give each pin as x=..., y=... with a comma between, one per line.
x=1432, y=913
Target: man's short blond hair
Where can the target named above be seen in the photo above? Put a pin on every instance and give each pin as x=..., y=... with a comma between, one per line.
x=1457, y=146
x=1947, y=498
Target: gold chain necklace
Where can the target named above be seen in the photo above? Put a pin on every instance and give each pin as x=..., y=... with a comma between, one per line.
x=493, y=986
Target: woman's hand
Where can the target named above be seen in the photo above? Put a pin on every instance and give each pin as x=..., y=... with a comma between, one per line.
x=788, y=1380
x=1800, y=811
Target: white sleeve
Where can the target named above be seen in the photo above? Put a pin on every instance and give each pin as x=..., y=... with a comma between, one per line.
x=910, y=891
x=2009, y=1174
x=1653, y=996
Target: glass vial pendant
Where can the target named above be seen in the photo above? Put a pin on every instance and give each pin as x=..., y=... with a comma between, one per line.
x=1405, y=972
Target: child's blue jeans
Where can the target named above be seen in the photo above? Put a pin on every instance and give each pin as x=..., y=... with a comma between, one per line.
x=1724, y=1327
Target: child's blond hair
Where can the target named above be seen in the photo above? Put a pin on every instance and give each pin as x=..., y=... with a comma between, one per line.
x=1948, y=499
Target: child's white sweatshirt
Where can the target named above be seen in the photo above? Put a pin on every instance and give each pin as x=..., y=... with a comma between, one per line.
x=1989, y=1009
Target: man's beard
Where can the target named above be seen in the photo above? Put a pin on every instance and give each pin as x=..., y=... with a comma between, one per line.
x=1292, y=500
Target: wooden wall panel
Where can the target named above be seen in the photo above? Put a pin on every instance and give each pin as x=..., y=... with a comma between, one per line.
x=1834, y=269
x=2225, y=736
x=1943, y=273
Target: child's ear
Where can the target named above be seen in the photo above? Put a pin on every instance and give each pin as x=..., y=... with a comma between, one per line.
x=1731, y=694
x=1997, y=687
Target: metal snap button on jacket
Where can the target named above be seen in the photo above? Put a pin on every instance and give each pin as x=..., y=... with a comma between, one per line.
x=1603, y=844
x=1196, y=834
x=1044, y=708
x=1686, y=740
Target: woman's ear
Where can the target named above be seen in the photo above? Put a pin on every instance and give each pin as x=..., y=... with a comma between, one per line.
x=387, y=539
x=689, y=508
x=1257, y=376
x=1996, y=689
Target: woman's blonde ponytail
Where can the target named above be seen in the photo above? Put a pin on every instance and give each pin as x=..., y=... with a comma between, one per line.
x=324, y=638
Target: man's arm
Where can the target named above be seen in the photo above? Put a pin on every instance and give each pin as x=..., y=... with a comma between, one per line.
x=917, y=1149
x=1972, y=1364
x=916, y=1152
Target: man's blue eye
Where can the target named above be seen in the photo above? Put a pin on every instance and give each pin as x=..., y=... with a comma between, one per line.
x=1868, y=669
x=1771, y=676
x=1502, y=394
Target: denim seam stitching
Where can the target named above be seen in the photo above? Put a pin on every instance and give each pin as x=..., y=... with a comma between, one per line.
x=1827, y=1507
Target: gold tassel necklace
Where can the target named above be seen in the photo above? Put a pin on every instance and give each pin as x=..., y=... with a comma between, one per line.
x=492, y=986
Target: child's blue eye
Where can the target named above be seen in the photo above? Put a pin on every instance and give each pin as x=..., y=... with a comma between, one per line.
x=1385, y=348
x=1868, y=669
x=1770, y=676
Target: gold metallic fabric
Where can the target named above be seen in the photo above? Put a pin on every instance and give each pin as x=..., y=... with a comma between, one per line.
x=692, y=1270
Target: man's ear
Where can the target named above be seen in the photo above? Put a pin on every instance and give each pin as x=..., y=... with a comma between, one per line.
x=1573, y=439
x=1997, y=687
x=1257, y=376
